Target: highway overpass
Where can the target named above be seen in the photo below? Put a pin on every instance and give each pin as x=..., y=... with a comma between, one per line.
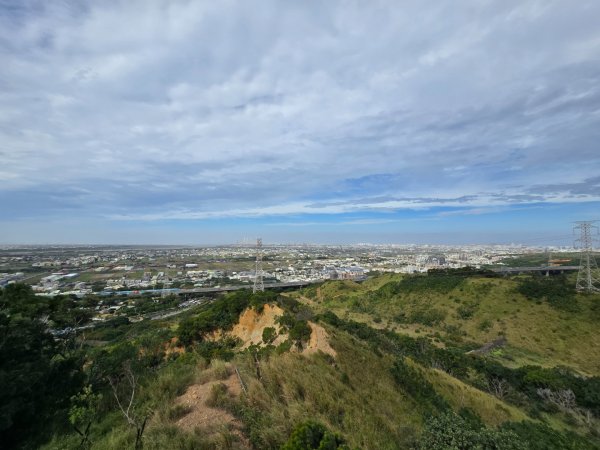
x=540, y=269
x=208, y=290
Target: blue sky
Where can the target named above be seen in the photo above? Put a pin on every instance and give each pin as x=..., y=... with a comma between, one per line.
x=197, y=122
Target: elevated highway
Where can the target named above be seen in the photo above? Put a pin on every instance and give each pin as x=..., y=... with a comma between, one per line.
x=547, y=270
x=540, y=269
x=208, y=290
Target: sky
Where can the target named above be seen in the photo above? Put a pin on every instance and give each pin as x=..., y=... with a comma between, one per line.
x=208, y=122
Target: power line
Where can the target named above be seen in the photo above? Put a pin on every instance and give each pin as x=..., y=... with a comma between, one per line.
x=588, y=279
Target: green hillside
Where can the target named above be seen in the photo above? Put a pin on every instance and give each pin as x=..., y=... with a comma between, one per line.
x=397, y=362
x=474, y=311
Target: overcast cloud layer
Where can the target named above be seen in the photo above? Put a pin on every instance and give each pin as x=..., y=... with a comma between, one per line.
x=148, y=111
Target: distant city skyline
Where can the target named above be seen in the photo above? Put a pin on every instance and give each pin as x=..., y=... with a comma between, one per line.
x=202, y=123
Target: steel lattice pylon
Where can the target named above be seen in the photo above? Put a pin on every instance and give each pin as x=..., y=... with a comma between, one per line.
x=166, y=283
x=259, y=285
x=588, y=278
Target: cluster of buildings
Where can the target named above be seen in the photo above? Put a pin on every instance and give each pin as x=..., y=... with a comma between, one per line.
x=84, y=270
x=6, y=278
x=51, y=284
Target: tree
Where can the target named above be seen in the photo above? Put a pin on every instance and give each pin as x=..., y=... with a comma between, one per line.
x=36, y=380
x=269, y=334
x=83, y=412
x=300, y=332
x=498, y=387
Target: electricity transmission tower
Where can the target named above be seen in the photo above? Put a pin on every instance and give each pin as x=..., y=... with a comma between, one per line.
x=166, y=283
x=588, y=279
x=258, y=271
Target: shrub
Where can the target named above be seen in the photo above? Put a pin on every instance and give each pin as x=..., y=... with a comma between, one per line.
x=557, y=291
x=297, y=327
x=415, y=384
x=300, y=332
x=222, y=349
x=218, y=396
x=485, y=325
x=312, y=435
x=177, y=412
x=419, y=283
x=222, y=313
x=269, y=334
x=541, y=437
x=466, y=311
x=427, y=316
x=451, y=431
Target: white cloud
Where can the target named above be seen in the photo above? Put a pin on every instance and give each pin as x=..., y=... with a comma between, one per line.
x=222, y=109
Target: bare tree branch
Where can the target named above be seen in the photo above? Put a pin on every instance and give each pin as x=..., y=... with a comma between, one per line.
x=498, y=387
x=131, y=380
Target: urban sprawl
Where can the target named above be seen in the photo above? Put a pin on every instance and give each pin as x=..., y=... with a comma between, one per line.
x=104, y=270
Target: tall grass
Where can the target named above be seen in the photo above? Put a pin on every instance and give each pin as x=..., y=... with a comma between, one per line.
x=354, y=395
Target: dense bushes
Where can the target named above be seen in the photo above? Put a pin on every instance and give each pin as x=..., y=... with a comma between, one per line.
x=59, y=312
x=424, y=315
x=414, y=383
x=38, y=374
x=221, y=349
x=453, y=361
x=430, y=283
x=300, y=331
x=419, y=283
x=297, y=328
x=312, y=435
x=524, y=380
x=451, y=431
x=379, y=339
x=268, y=335
x=556, y=290
x=440, y=280
x=464, y=272
x=465, y=312
x=529, y=379
x=541, y=437
x=466, y=431
x=222, y=313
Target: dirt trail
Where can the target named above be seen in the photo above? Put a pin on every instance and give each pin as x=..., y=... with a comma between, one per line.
x=207, y=417
x=319, y=340
x=488, y=347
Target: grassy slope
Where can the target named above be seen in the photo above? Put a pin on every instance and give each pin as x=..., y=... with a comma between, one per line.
x=367, y=407
x=536, y=332
x=355, y=394
x=460, y=395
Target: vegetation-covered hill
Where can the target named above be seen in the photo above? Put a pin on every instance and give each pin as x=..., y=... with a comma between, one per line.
x=447, y=360
x=542, y=319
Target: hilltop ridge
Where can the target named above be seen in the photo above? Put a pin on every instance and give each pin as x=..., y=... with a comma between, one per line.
x=398, y=361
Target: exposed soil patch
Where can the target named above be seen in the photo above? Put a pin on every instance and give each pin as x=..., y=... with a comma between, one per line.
x=252, y=323
x=210, y=419
x=319, y=340
x=172, y=346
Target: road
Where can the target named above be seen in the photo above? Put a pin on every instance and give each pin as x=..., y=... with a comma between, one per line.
x=209, y=290
x=543, y=269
